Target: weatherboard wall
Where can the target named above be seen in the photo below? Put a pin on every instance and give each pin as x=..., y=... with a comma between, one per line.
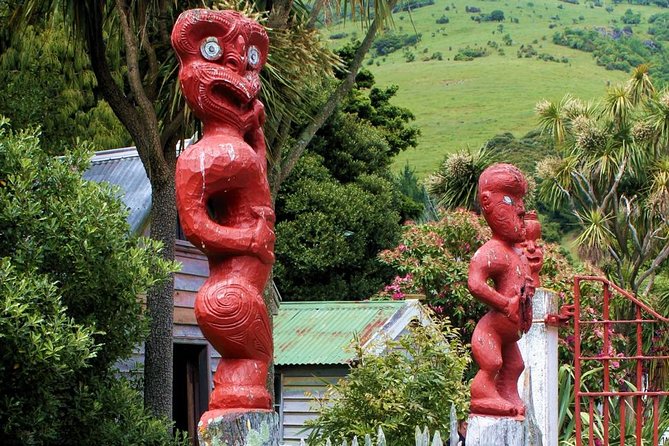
x=300, y=385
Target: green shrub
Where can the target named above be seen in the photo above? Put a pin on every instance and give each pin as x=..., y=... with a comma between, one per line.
x=391, y=41
x=70, y=277
x=413, y=383
x=630, y=18
x=468, y=53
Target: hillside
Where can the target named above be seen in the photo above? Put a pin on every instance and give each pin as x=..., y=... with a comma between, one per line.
x=461, y=104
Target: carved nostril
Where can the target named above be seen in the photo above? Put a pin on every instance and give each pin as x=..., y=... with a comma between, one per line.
x=234, y=62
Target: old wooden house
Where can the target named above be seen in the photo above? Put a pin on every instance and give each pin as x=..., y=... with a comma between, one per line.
x=311, y=338
x=312, y=343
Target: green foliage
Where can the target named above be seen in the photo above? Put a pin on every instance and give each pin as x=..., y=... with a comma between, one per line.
x=70, y=280
x=341, y=206
x=414, y=194
x=442, y=20
x=433, y=259
x=412, y=4
x=496, y=16
x=470, y=53
x=42, y=350
x=44, y=63
x=329, y=233
x=611, y=175
x=659, y=26
x=618, y=49
x=455, y=183
x=630, y=18
x=390, y=41
x=413, y=383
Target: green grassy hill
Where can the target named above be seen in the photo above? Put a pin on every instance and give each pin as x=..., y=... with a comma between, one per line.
x=460, y=104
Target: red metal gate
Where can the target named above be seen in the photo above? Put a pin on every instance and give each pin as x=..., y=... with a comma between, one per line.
x=615, y=410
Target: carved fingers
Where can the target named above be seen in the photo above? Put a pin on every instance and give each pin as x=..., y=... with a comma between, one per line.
x=262, y=244
x=512, y=310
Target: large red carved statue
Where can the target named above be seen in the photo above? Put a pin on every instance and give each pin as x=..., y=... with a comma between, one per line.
x=501, y=262
x=224, y=201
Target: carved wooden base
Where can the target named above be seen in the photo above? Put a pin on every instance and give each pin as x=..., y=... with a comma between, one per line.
x=229, y=428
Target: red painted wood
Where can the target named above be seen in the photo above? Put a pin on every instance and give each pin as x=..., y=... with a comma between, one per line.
x=224, y=202
x=494, y=391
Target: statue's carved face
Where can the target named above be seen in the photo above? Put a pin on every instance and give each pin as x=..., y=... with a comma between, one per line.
x=502, y=188
x=533, y=251
x=221, y=55
x=505, y=215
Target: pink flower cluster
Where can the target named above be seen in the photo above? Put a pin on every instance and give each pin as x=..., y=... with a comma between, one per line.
x=400, y=285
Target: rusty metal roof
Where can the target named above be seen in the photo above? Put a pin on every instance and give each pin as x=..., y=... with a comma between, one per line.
x=320, y=332
x=123, y=168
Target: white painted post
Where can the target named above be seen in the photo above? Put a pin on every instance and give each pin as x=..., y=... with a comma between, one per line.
x=539, y=348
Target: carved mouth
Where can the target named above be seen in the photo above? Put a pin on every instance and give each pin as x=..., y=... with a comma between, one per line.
x=226, y=93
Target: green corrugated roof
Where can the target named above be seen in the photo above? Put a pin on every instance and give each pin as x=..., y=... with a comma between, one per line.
x=319, y=332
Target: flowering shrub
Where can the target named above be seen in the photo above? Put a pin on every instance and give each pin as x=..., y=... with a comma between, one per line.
x=433, y=259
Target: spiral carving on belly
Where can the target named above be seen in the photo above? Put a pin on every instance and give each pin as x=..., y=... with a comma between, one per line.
x=234, y=319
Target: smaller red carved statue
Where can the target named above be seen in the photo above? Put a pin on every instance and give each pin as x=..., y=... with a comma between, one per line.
x=500, y=262
x=531, y=248
x=224, y=201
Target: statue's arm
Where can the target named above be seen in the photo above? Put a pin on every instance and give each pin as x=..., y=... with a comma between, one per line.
x=193, y=191
x=256, y=137
x=480, y=270
x=218, y=240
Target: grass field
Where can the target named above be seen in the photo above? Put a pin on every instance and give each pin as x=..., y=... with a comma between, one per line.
x=461, y=104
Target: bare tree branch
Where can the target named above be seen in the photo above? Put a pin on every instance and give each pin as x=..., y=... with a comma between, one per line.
x=315, y=12
x=619, y=263
x=171, y=128
x=149, y=119
x=661, y=257
x=616, y=182
x=586, y=189
x=335, y=98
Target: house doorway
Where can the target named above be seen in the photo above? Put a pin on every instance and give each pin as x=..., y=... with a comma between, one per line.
x=190, y=387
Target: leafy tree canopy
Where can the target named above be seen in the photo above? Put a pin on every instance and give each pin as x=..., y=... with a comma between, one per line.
x=44, y=63
x=341, y=206
x=611, y=174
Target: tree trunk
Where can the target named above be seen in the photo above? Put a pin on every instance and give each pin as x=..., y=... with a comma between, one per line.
x=160, y=300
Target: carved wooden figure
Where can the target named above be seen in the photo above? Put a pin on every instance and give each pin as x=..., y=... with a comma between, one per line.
x=500, y=262
x=531, y=247
x=224, y=200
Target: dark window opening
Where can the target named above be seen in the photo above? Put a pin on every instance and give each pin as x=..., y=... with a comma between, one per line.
x=277, y=392
x=191, y=387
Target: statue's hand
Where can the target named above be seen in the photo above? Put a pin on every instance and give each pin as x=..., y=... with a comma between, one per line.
x=513, y=309
x=263, y=235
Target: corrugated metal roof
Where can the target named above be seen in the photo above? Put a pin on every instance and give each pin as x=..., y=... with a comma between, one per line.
x=123, y=168
x=319, y=332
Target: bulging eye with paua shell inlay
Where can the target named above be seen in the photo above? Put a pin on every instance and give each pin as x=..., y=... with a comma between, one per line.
x=253, y=55
x=210, y=49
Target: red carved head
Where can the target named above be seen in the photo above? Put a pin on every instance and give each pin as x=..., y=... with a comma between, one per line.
x=221, y=54
x=501, y=190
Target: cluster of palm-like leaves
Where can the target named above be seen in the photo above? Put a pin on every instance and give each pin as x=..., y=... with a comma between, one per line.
x=455, y=183
x=613, y=173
